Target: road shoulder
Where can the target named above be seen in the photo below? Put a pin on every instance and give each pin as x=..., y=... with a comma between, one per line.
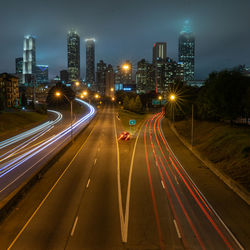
x=219, y=195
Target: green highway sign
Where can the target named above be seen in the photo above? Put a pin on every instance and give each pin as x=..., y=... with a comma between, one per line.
x=132, y=122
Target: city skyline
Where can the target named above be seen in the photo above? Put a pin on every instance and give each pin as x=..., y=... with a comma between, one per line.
x=221, y=37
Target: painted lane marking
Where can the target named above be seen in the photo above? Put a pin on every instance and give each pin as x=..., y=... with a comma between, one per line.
x=88, y=183
x=50, y=191
x=162, y=183
x=95, y=161
x=74, y=226
x=129, y=184
x=119, y=185
x=177, y=229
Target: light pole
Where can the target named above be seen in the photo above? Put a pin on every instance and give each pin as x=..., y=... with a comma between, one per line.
x=58, y=94
x=172, y=98
x=192, y=126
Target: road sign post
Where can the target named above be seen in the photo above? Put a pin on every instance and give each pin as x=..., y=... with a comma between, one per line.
x=131, y=123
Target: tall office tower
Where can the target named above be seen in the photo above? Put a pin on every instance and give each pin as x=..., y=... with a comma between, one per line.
x=73, y=42
x=109, y=81
x=19, y=69
x=144, y=77
x=187, y=51
x=42, y=74
x=29, y=60
x=100, y=76
x=159, y=58
x=64, y=76
x=90, y=62
x=159, y=51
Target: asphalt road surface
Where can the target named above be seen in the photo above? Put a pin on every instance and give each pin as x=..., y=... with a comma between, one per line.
x=122, y=195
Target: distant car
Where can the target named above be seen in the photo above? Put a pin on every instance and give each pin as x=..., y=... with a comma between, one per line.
x=124, y=136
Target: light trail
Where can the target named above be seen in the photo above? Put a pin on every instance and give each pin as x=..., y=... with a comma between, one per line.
x=32, y=131
x=28, y=155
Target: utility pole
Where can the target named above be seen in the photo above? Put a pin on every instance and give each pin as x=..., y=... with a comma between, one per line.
x=192, y=126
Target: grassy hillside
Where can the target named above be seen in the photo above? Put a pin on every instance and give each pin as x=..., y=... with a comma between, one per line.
x=227, y=147
x=10, y=123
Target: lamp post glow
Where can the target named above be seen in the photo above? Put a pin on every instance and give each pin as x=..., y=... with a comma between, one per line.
x=172, y=98
x=58, y=94
x=125, y=66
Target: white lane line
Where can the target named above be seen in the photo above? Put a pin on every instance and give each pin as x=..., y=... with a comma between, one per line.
x=177, y=230
x=74, y=226
x=129, y=187
x=119, y=185
x=95, y=161
x=176, y=180
x=88, y=183
x=162, y=183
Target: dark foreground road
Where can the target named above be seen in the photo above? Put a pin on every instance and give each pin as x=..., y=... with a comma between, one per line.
x=119, y=195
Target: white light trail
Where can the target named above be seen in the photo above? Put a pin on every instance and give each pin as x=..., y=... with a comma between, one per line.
x=66, y=132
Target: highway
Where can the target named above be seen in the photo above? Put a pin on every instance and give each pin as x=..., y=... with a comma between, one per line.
x=23, y=155
x=118, y=195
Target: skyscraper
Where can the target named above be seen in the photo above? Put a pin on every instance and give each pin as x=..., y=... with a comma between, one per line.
x=29, y=60
x=187, y=51
x=159, y=58
x=42, y=74
x=90, y=61
x=73, y=42
x=100, y=76
x=64, y=76
x=109, y=81
x=159, y=51
x=144, y=77
x=19, y=69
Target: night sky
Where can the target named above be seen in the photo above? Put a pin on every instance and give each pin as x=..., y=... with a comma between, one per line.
x=126, y=30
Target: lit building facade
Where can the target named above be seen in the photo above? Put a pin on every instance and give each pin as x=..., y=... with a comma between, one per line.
x=144, y=77
x=90, y=62
x=42, y=74
x=109, y=81
x=19, y=69
x=9, y=90
x=187, y=51
x=159, y=51
x=64, y=76
x=100, y=76
x=73, y=44
x=29, y=60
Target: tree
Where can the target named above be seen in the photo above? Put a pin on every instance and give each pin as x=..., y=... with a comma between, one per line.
x=126, y=102
x=131, y=104
x=138, y=104
x=52, y=100
x=222, y=97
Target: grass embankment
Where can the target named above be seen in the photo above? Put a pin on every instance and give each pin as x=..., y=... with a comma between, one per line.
x=125, y=116
x=11, y=123
x=225, y=146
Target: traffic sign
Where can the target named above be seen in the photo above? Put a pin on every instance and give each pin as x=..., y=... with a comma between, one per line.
x=131, y=122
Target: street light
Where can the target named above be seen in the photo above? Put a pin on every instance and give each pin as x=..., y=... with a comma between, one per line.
x=97, y=96
x=125, y=66
x=172, y=98
x=112, y=89
x=58, y=94
x=77, y=84
x=160, y=98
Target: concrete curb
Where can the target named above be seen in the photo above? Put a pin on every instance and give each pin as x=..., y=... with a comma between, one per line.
x=237, y=188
